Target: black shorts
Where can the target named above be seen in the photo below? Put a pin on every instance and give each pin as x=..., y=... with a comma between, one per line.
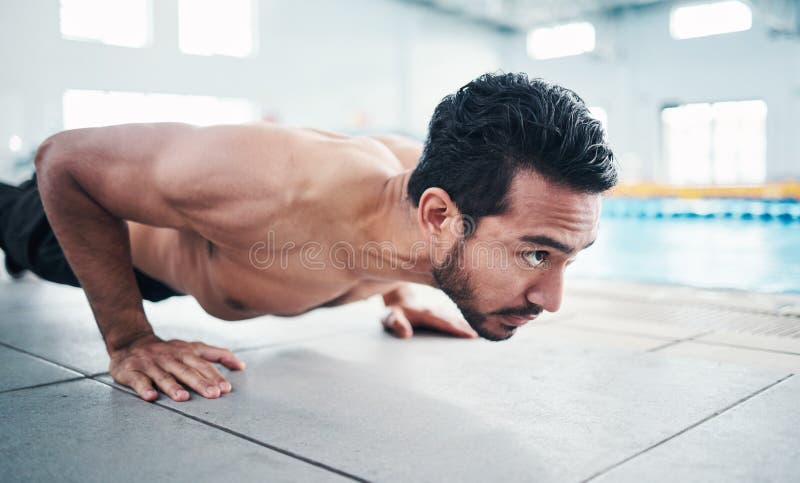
x=29, y=243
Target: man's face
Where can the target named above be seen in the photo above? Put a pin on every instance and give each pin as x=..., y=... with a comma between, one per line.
x=512, y=267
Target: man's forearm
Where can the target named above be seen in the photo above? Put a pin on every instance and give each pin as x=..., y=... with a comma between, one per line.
x=95, y=243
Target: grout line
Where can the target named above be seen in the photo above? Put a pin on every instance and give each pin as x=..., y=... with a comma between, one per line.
x=243, y=349
x=95, y=375
x=44, y=384
x=739, y=346
x=250, y=439
x=678, y=341
x=45, y=359
x=664, y=346
x=688, y=428
x=619, y=332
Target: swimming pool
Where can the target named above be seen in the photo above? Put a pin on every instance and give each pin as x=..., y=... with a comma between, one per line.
x=735, y=244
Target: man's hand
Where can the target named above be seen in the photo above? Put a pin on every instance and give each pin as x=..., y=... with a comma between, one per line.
x=150, y=360
x=409, y=309
x=402, y=320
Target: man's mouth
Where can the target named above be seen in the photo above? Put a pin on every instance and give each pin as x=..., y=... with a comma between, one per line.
x=518, y=320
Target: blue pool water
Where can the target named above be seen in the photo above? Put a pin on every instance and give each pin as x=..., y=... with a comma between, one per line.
x=707, y=247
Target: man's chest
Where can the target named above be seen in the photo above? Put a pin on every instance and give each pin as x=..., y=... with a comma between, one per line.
x=289, y=282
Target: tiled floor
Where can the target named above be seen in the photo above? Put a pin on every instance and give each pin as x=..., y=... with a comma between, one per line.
x=629, y=383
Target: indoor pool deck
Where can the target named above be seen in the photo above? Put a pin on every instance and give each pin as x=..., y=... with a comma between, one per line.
x=628, y=383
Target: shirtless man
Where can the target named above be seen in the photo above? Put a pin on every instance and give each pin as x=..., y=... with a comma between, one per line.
x=506, y=193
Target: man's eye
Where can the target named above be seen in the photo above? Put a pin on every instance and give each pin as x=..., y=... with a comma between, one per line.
x=536, y=258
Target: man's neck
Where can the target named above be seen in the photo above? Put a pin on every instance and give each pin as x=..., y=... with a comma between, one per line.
x=393, y=245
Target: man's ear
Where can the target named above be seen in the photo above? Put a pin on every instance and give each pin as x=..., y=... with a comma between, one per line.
x=436, y=213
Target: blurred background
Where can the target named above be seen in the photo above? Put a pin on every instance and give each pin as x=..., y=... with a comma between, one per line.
x=701, y=100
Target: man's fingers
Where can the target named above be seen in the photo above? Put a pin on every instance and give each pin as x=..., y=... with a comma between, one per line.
x=167, y=383
x=174, y=366
x=218, y=354
x=139, y=383
x=191, y=377
x=208, y=371
x=397, y=324
x=457, y=327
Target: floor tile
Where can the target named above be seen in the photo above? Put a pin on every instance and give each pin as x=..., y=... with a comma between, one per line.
x=532, y=408
x=592, y=336
x=29, y=292
x=625, y=325
x=86, y=431
x=678, y=295
x=692, y=318
x=22, y=370
x=756, y=440
x=736, y=355
x=69, y=336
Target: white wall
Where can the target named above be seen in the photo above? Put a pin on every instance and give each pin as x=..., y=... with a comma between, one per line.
x=319, y=63
x=637, y=68
x=327, y=63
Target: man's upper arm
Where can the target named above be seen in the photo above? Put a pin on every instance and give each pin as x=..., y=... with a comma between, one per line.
x=119, y=167
x=406, y=149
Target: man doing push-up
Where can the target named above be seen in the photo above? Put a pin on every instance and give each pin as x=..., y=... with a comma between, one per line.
x=266, y=219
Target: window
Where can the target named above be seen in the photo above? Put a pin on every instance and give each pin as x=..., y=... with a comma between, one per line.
x=85, y=108
x=115, y=22
x=561, y=40
x=213, y=27
x=720, y=143
x=709, y=19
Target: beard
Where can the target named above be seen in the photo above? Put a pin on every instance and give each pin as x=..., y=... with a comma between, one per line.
x=453, y=279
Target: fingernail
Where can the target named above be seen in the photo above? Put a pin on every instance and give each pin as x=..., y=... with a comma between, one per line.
x=225, y=386
x=149, y=394
x=211, y=390
x=180, y=394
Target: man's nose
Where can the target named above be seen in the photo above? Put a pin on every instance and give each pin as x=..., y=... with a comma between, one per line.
x=548, y=290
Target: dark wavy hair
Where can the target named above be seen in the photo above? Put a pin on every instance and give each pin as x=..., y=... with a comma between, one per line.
x=500, y=124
